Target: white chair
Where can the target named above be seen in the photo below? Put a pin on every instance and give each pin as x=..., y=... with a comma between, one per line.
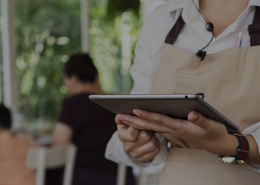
x=148, y=178
x=42, y=158
x=121, y=174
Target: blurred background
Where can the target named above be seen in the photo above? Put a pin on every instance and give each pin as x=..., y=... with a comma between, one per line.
x=37, y=36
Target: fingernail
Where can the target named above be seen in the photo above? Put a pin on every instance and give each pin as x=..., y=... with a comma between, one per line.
x=194, y=116
x=135, y=112
x=119, y=117
x=123, y=122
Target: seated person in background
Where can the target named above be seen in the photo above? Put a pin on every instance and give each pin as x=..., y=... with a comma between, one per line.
x=13, y=152
x=86, y=124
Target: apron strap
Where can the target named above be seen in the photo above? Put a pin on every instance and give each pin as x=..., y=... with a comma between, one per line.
x=175, y=31
x=254, y=29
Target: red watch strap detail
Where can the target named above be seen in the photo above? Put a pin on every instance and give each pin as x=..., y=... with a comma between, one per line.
x=243, y=147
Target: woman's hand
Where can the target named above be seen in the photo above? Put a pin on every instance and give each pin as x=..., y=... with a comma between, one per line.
x=140, y=144
x=197, y=130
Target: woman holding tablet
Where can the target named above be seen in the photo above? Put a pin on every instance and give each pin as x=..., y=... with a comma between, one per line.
x=190, y=47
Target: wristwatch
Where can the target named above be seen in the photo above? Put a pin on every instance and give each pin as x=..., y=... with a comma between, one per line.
x=242, y=151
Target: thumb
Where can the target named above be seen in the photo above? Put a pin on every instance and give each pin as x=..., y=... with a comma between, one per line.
x=198, y=119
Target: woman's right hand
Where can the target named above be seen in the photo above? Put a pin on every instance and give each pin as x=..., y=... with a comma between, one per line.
x=140, y=144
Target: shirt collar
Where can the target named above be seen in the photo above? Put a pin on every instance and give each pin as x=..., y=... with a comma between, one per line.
x=251, y=6
x=192, y=17
x=190, y=12
x=254, y=3
x=176, y=6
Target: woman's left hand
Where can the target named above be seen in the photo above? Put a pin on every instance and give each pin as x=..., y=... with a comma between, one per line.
x=197, y=130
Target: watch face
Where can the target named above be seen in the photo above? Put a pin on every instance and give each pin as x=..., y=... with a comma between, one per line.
x=227, y=159
x=231, y=160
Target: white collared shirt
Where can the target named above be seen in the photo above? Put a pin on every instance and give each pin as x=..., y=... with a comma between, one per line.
x=193, y=37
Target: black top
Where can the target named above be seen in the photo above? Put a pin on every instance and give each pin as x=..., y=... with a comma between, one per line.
x=92, y=128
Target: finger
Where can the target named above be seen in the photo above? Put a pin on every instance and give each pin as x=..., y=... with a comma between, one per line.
x=198, y=119
x=127, y=133
x=143, y=123
x=148, y=157
x=121, y=124
x=156, y=117
x=122, y=119
x=148, y=151
x=119, y=120
x=148, y=148
x=125, y=119
x=165, y=124
x=207, y=125
x=143, y=138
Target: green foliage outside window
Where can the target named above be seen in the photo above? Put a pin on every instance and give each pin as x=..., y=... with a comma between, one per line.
x=117, y=7
x=48, y=31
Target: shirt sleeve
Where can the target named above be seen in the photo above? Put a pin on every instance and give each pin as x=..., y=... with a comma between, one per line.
x=254, y=131
x=142, y=73
x=148, y=50
x=142, y=69
x=115, y=152
x=147, y=56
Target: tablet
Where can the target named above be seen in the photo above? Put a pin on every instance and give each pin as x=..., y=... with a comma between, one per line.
x=177, y=106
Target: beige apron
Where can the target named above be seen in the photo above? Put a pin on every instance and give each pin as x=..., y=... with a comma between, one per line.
x=230, y=80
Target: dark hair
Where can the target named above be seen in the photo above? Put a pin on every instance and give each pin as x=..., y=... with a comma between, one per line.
x=81, y=65
x=5, y=117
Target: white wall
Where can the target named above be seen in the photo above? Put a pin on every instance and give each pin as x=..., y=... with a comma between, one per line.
x=8, y=54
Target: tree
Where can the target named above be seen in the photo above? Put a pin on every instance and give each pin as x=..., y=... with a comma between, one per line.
x=118, y=7
x=48, y=31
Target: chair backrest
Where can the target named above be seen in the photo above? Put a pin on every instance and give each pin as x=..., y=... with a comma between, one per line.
x=150, y=175
x=121, y=174
x=42, y=158
x=148, y=178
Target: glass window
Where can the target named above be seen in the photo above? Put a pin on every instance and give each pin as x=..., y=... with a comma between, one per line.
x=48, y=31
x=112, y=45
x=1, y=61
